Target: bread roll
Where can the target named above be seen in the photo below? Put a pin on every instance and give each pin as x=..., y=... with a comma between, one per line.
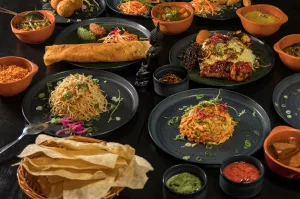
x=66, y=8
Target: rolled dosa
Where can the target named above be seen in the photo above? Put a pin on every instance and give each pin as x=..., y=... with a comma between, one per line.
x=96, y=52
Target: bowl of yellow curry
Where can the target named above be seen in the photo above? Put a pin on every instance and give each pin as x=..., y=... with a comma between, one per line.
x=262, y=20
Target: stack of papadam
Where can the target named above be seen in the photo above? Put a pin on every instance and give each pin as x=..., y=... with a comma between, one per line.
x=78, y=170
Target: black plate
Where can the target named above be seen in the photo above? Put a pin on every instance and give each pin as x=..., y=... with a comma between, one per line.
x=113, y=5
x=259, y=48
x=109, y=82
x=286, y=100
x=77, y=16
x=69, y=36
x=226, y=14
x=162, y=134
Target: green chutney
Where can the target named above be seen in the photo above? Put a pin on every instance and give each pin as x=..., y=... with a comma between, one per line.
x=259, y=17
x=184, y=183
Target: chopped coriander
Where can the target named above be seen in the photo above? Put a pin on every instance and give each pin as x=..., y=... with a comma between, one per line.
x=96, y=81
x=115, y=99
x=188, y=144
x=193, y=145
x=39, y=108
x=182, y=108
x=242, y=113
x=45, y=1
x=118, y=101
x=78, y=20
x=186, y=157
x=68, y=96
x=42, y=95
x=247, y=144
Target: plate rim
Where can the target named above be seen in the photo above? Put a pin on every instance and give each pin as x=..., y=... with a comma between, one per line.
x=234, y=84
x=133, y=92
x=274, y=96
x=99, y=20
x=268, y=122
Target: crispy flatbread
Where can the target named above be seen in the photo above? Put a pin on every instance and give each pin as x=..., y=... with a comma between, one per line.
x=96, y=52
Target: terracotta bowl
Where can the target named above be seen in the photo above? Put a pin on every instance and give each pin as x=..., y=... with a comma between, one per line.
x=279, y=133
x=16, y=87
x=173, y=27
x=35, y=36
x=290, y=61
x=262, y=30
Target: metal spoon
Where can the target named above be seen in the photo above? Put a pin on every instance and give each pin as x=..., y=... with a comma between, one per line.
x=31, y=129
x=30, y=16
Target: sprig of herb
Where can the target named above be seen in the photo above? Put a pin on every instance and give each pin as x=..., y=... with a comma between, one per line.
x=118, y=100
x=172, y=121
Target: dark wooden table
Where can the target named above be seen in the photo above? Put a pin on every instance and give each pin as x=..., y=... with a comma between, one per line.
x=135, y=132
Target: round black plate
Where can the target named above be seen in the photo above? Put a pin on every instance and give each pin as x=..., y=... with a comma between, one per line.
x=109, y=82
x=259, y=48
x=254, y=126
x=69, y=36
x=77, y=16
x=286, y=100
x=113, y=5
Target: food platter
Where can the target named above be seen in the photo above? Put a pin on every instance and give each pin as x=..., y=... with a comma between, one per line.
x=113, y=5
x=78, y=15
x=286, y=98
x=259, y=48
x=69, y=36
x=255, y=120
x=110, y=83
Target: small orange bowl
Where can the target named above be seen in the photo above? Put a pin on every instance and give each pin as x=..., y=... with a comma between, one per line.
x=281, y=133
x=258, y=29
x=34, y=36
x=173, y=27
x=290, y=61
x=16, y=87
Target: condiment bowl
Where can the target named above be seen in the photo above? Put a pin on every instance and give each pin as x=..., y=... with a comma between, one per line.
x=34, y=36
x=16, y=87
x=290, y=61
x=173, y=27
x=259, y=29
x=241, y=189
x=181, y=168
x=167, y=89
x=281, y=133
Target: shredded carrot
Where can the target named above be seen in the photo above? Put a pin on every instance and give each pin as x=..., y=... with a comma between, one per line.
x=134, y=8
x=211, y=7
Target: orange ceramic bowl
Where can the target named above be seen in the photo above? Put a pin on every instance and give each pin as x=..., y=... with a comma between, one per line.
x=173, y=27
x=258, y=29
x=281, y=133
x=16, y=87
x=34, y=36
x=290, y=61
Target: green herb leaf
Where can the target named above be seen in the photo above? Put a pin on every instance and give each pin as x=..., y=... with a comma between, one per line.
x=199, y=158
x=68, y=96
x=39, y=108
x=186, y=157
x=42, y=95
x=179, y=137
x=200, y=96
x=247, y=144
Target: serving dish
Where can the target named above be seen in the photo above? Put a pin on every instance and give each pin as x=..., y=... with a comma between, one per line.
x=290, y=61
x=242, y=189
x=253, y=125
x=34, y=36
x=16, y=87
x=173, y=27
x=262, y=30
x=78, y=15
x=69, y=36
x=259, y=48
x=286, y=102
x=113, y=86
x=166, y=89
x=279, y=133
x=180, y=168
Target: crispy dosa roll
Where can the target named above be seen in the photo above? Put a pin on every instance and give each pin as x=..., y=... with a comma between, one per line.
x=96, y=52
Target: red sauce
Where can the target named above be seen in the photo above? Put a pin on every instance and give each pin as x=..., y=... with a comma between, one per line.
x=241, y=172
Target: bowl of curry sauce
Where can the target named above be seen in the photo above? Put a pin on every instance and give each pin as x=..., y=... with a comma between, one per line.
x=261, y=20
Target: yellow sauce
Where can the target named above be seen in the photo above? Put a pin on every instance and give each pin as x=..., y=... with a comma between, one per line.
x=259, y=17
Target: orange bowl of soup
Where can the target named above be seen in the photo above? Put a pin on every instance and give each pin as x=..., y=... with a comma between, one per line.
x=36, y=36
x=174, y=17
x=282, y=152
x=261, y=20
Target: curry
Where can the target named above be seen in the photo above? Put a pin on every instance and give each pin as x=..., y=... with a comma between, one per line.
x=260, y=17
x=293, y=49
x=173, y=13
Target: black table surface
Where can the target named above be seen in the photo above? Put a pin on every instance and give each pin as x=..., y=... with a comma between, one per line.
x=135, y=132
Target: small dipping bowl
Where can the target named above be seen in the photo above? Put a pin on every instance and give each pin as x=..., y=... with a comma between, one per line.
x=34, y=36
x=277, y=134
x=290, y=61
x=241, y=189
x=259, y=29
x=166, y=89
x=16, y=87
x=181, y=168
x=173, y=27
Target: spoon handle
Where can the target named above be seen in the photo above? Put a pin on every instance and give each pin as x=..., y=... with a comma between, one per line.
x=9, y=145
x=3, y=10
